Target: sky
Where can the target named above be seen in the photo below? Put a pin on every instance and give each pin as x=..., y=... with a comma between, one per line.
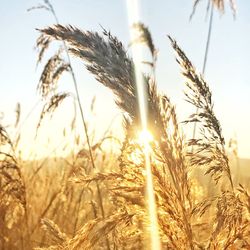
x=226, y=72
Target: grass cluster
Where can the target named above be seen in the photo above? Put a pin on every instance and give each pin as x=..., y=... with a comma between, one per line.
x=96, y=199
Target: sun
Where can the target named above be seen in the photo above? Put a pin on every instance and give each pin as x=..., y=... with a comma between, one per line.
x=145, y=137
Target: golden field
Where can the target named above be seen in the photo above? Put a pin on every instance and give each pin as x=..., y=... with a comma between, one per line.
x=162, y=184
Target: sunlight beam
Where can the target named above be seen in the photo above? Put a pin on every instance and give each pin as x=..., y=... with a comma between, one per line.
x=145, y=136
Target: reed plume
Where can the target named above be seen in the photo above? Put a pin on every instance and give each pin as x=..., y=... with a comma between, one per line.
x=218, y=4
x=106, y=58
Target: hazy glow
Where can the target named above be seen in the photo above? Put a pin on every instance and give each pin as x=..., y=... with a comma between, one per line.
x=133, y=15
x=145, y=137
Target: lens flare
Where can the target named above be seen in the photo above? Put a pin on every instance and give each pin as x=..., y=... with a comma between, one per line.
x=145, y=137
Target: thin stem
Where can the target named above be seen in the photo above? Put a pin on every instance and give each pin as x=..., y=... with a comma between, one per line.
x=77, y=92
x=83, y=120
x=208, y=40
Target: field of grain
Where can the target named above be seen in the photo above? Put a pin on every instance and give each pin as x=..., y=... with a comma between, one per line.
x=165, y=183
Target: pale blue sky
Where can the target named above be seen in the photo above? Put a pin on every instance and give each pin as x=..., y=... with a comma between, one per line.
x=227, y=68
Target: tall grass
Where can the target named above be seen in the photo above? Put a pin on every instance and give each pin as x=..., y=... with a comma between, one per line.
x=59, y=203
x=172, y=160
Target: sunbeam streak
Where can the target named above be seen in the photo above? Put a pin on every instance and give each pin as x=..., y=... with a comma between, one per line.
x=145, y=136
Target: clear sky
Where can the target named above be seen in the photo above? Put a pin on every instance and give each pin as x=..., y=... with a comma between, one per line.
x=227, y=67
